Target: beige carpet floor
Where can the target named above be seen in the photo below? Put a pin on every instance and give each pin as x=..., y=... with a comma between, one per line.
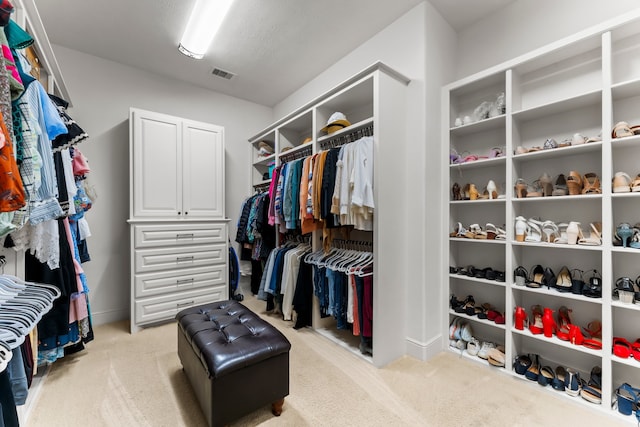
x=136, y=380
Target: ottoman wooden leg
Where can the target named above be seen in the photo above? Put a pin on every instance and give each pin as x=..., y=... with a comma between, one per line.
x=276, y=407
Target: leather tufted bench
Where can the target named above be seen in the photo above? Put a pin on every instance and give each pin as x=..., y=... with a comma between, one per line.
x=235, y=361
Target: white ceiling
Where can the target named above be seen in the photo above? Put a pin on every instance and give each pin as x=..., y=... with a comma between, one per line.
x=273, y=46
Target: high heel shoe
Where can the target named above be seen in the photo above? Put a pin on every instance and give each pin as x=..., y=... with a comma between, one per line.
x=575, y=335
x=564, y=323
x=521, y=188
x=548, y=323
x=624, y=232
x=534, y=233
x=537, y=277
x=521, y=228
x=492, y=190
x=564, y=282
x=595, y=237
x=591, y=184
x=574, y=183
x=550, y=231
x=473, y=192
x=534, y=370
x=535, y=326
x=521, y=275
x=573, y=230
x=520, y=316
x=455, y=190
x=560, y=187
x=544, y=182
x=593, y=333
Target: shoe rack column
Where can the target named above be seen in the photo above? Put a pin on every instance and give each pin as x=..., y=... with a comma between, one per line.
x=510, y=302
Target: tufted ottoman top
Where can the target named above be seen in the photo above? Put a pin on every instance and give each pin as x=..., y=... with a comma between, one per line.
x=227, y=336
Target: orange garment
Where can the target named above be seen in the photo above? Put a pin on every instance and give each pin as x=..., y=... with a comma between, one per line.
x=12, y=196
x=317, y=184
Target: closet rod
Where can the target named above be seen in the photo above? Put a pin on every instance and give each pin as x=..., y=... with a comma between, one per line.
x=347, y=138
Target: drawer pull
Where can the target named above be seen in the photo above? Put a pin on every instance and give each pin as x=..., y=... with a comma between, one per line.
x=184, y=236
x=184, y=281
x=184, y=258
x=184, y=304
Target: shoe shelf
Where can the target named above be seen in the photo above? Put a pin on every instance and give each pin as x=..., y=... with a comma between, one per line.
x=476, y=279
x=477, y=320
x=560, y=106
x=584, y=84
x=480, y=201
x=556, y=341
x=557, y=246
x=264, y=161
x=485, y=241
x=555, y=153
x=557, y=294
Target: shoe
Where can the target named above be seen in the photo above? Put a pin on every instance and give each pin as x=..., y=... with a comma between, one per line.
x=548, y=323
x=522, y=364
x=595, y=236
x=591, y=184
x=593, y=288
x=575, y=335
x=621, y=347
x=495, y=356
x=624, y=232
x=573, y=232
x=564, y=280
x=572, y=382
x=544, y=182
x=549, y=144
x=537, y=277
x=483, y=353
x=592, y=392
x=594, y=333
x=492, y=190
x=577, y=281
x=473, y=347
x=621, y=183
x=534, y=231
x=558, y=382
x=521, y=228
x=521, y=188
x=521, y=275
x=560, y=187
x=473, y=192
x=574, y=183
x=546, y=376
x=628, y=399
x=550, y=231
x=549, y=278
x=533, y=371
x=564, y=323
x=635, y=184
x=520, y=317
x=455, y=190
x=621, y=130
x=535, y=189
x=535, y=326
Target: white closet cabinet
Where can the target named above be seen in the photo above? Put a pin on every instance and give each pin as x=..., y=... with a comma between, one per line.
x=179, y=255
x=584, y=84
x=374, y=99
x=175, y=162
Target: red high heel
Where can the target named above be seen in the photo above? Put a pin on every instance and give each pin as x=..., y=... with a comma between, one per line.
x=564, y=321
x=575, y=335
x=548, y=323
x=594, y=332
x=536, y=327
x=520, y=316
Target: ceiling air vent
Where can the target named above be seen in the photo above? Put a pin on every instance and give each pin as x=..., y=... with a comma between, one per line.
x=218, y=72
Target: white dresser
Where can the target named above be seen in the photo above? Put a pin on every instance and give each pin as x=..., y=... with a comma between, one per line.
x=179, y=242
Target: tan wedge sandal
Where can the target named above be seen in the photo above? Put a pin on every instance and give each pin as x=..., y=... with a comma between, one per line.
x=591, y=184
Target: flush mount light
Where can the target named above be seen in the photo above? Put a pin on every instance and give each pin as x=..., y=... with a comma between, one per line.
x=204, y=22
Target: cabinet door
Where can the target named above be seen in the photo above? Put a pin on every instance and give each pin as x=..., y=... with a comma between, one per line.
x=157, y=165
x=203, y=170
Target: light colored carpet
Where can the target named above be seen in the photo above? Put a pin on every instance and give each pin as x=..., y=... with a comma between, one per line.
x=137, y=380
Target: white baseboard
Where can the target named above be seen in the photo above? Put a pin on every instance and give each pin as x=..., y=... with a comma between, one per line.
x=424, y=350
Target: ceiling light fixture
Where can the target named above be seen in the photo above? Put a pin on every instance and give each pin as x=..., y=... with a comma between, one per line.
x=204, y=22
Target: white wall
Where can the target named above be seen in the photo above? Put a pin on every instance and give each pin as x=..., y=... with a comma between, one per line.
x=418, y=45
x=102, y=92
x=526, y=25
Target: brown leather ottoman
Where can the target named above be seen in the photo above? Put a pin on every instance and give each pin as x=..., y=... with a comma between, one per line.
x=235, y=361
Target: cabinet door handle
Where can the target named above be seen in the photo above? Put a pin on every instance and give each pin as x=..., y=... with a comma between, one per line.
x=184, y=281
x=185, y=236
x=184, y=304
x=184, y=258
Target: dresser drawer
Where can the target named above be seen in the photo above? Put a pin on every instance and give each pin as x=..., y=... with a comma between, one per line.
x=156, y=235
x=163, y=282
x=166, y=307
x=179, y=257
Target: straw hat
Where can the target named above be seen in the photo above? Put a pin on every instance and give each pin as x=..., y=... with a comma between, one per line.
x=336, y=122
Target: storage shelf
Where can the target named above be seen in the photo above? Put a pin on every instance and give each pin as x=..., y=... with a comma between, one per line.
x=552, y=153
x=556, y=341
x=634, y=307
x=485, y=241
x=349, y=129
x=480, y=163
x=627, y=89
x=627, y=141
x=475, y=359
x=576, y=197
x=558, y=245
x=629, y=361
x=556, y=293
x=479, y=126
x=265, y=160
x=476, y=279
x=477, y=320
x=479, y=201
x=630, y=194
x=556, y=107
x=620, y=249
